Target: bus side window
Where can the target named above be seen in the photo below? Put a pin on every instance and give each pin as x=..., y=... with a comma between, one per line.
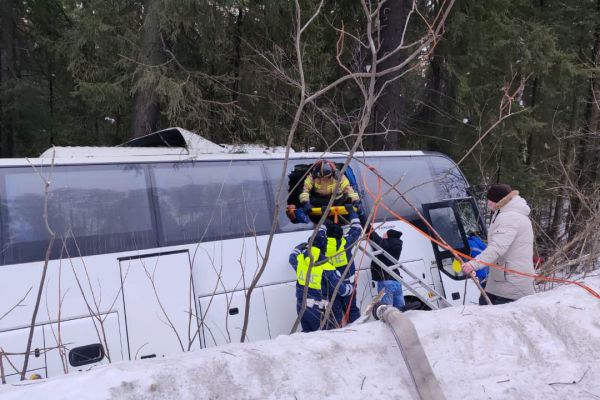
x=471, y=223
x=293, y=185
x=95, y=208
x=444, y=222
x=409, y=175
x=449, y=179
x=205, y=201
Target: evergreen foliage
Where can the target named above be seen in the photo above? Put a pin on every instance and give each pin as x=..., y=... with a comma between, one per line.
x=71, y=71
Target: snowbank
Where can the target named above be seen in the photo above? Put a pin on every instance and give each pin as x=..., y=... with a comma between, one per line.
x=545, y=346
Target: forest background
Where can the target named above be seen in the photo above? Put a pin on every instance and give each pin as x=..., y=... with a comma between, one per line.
x=99, y=72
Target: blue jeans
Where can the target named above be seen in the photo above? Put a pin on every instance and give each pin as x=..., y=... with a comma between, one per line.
x=393, y=293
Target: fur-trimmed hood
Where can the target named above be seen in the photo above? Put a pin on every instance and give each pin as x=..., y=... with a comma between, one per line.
x=514, y=202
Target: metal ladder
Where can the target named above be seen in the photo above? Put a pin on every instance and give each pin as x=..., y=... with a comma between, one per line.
x=435, y=300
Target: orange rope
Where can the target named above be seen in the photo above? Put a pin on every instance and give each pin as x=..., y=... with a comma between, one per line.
x=347, y=313
x=454, y=251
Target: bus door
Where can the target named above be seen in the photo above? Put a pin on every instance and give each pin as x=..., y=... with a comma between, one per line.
x=13, y=343
x=453, y=220
x=158, y=299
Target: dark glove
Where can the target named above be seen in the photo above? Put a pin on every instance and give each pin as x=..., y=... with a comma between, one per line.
x=356, y=203
x=323, y=209
x=363, y=220
x=351, y=213
x=349, y=208
x=302, y=246
x=306, y=207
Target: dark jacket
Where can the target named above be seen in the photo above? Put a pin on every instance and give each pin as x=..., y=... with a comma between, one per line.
x=393, y=246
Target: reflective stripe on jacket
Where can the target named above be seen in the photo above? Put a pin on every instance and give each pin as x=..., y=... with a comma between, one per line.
x=325, y=187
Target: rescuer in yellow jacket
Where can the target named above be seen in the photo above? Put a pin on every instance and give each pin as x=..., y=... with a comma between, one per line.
x=321, y=281
x=320, y=184
x=318, y=188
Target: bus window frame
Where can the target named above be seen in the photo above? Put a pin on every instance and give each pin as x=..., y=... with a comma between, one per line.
x=58, y=254
x=206, y=238
x=292, y=163
x=366, y=161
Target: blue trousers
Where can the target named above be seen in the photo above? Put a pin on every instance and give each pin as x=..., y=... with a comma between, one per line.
x=393, y=293
x=354, y=311
x=311, y=319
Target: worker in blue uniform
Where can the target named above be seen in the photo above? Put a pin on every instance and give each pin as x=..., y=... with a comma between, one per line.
x=321, y=282
x=339, y=253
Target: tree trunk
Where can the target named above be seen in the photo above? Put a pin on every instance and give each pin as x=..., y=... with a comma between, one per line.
x=529, y=152
x=436, y=93
x=236, y=63
x=593, y=128
x=585, y=156
x=50, y=60
x=579, y=171
x=8, y=77
x=391, y=105
x=559, y=215
x=146, y=106
x=533, y=99
x=435, y=102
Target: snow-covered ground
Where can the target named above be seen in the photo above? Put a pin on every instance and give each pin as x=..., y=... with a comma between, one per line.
x=545, y=346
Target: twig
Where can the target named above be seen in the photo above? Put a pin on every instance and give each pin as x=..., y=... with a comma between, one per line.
x=591, y=394
x=572, y=382
x=18, y=304
x=152, y=278
x=291, y=134
x=101, y=332
x=45, y=266
x=2, y=367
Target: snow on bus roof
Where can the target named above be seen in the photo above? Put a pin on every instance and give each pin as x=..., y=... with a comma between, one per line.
x=167, y=142
x=181, y=144
x=254, y=148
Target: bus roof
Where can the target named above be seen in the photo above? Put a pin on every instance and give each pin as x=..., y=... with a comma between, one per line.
x=176, y=144
x=167, y=142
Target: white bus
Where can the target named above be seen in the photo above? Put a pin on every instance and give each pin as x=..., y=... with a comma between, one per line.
x=157, y=241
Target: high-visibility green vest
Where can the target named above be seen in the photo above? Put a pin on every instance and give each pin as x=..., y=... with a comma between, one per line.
x=336, y=256
x=316, y=272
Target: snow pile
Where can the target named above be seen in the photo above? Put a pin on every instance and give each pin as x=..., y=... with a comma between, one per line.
x=545, y=346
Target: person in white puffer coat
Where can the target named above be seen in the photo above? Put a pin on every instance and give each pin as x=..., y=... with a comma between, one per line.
x=510, y=245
